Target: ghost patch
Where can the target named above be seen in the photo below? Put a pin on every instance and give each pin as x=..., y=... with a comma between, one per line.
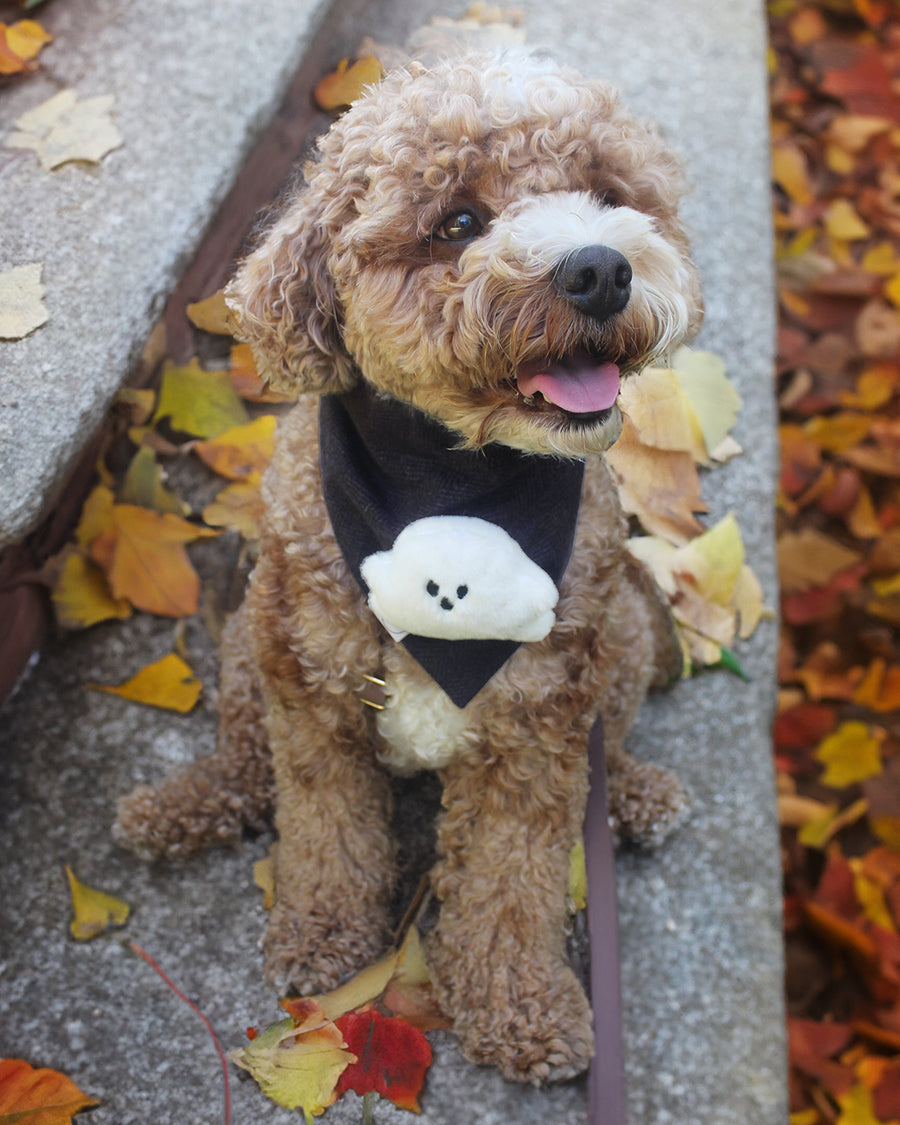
x=459, y=578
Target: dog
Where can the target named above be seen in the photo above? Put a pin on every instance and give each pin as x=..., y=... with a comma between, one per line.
x=481, y=251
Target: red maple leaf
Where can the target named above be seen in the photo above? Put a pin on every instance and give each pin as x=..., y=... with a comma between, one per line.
x=393, y=1057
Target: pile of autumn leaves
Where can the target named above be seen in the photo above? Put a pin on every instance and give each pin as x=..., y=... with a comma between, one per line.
x=836, y=165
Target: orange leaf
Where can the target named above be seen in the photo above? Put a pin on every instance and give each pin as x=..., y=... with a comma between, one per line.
x=241, y=452
x=168, y=683
x=346, y=83
x=19, y=44
x=246, y=380
x=392, y=1057
x=145, y=561
x=38, y=1097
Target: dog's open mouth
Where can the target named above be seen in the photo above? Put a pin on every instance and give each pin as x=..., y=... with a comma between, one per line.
x=578, y=384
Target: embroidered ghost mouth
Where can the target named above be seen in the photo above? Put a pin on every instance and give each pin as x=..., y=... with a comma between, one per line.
x=580, y=384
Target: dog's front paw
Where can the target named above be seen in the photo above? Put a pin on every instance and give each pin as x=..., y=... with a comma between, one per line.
x=532, y=1024
x=307, y=953
x=646, y=802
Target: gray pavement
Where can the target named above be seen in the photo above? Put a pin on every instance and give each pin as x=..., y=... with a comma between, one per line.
x=700, y=919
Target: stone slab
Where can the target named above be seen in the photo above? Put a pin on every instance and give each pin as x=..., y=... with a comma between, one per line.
x=700, y=919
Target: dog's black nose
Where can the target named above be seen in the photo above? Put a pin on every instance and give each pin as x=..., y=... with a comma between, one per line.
x=595, y=279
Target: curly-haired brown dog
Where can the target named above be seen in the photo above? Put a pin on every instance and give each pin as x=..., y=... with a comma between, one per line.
x=492, y=242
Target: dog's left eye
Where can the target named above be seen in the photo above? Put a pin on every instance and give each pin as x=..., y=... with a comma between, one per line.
x=459, y=226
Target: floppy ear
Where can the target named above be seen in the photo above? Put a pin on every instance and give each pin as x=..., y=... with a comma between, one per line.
x=285, y=304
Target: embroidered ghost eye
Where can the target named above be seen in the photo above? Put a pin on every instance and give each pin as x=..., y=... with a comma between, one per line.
x=432, y=587
x=461, y=591
x=459, y=226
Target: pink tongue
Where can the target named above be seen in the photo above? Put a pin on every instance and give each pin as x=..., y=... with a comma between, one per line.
x=576, y=385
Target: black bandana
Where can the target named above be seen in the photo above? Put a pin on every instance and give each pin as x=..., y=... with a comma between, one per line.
x=386, y=465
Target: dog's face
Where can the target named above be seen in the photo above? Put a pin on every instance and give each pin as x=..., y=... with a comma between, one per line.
x=495, y=241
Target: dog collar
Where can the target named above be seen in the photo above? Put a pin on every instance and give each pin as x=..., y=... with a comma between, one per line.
x=460, y=551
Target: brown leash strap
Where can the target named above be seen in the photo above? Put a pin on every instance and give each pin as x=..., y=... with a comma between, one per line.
x=606, y=1078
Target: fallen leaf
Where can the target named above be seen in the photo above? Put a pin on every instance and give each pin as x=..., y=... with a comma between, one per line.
x=169, y=683
x=20, y=43
x=142, y=554
x=843, y=222
x=246, y=380
x=63, y=129
x=22, y=308
x=577, y=878
x=410, y=993
x=392, y=1058
x=238, y=507
x=264, y=878
x=851, y=753
x=807, y=558
x=197, y=402
x=144, y=485
x=296, y=1064
x=240, y=452
x=880, y=688
x=346, y=83
x=856, y=1107
x=94, y=911
x=81, y=594
x=39, y=1096
x=360, y=989
x=791, y=172
x=213, y=315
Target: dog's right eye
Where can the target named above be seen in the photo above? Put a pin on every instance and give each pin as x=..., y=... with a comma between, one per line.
x=459, y=226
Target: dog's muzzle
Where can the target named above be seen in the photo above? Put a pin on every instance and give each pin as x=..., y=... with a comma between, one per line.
x=596, y=280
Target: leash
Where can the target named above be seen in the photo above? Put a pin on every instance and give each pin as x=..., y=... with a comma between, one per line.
x=606, y=1077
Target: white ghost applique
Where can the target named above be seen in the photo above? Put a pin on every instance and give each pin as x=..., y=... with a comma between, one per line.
x=459, y=578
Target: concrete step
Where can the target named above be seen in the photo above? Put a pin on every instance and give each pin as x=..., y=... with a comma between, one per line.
x=194, y=86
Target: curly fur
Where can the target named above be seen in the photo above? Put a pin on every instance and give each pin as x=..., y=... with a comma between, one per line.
x=352, y=282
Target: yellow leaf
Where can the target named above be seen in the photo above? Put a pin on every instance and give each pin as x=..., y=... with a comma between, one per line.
x=871, y=898
x=748, y=601
x=850, y=754
x=789, y=171
x=817, y=831
x=22, y=307
x=213, y=315
x=892, y=289
x=143, y=485
x=94, y=911
x=713, y=399
x=241, y=452
x=714, y=561
x=410, y=993
x=661, y=412
x=297, y=1067
x=198, y=402
x=168, y=683
x=25, y=38
x=63, y=129
x=843, y=222
x=264, y=878
x=881, y=259
x=238, y=507
x=839, y=431
x=143, y=556
x=856, y=1107
x=805, y=1117
x=577, y=878
x=96, y=515
x=81, y=595
x=360, y=989
x=138, y=401
x=346, y=83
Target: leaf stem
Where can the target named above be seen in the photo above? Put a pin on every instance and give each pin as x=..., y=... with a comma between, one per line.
x=209, y=1027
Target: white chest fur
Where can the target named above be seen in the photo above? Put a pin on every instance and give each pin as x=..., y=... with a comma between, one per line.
x=421, y=727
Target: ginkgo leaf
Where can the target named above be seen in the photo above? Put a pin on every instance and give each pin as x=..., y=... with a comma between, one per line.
x=22, y=307
x=63, y=129
x=197, y=402
x=297, y=1065
x=94, y=911
x=38, y=1095
x=851, y=753
x=169, y=683
x=239, y=507
x=143, y=556
x=81, y=594
x=713, y=398
x=213, y=315
x=240, y=452
x=392, y=1058
x=345, y=83
x=143, y=484
x=264, y=878
x=714, y=561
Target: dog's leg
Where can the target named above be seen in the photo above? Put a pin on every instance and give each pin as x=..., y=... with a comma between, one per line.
x=498, y=951
x=216, y=797
x=334, y=864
